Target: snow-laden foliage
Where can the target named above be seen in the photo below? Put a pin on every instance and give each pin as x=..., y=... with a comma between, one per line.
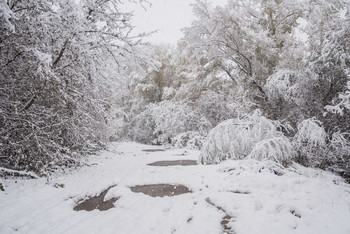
x=310, y=142
x=173, y=118
x=339, y=158
x=278, y=149
x=288, y=87
x=344, y=103
x=314, y=147
x=188, y=140
x=243, y=39
x=341, y=145
x=6, y=15
x=160, y=123
x=311, y=132
x=141, y=128
x=254, y=136
x=60, y=63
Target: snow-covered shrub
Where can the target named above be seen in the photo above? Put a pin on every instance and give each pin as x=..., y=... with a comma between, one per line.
x=141, y=128
x=172, y=118
x=339, y=148
x=241, y=138
x=343, y=104
x=282, y=84
x=189, y=140
x=310, y=142
x=314, y=147
x=278, y=149
x=310, y=131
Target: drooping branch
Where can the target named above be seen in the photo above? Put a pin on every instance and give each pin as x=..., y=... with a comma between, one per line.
x=54, y=64
x=29, y=103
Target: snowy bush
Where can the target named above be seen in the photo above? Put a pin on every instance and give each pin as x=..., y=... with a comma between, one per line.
x=189, y=140
x=339, y=157
x=314, y=147
x=172, y=118
x=343, y=104
x=168, y=122
x=282, y=84
x=278, y=149
x=311, y=132
x=141, y=128
x=248, y=137
x=310, y=142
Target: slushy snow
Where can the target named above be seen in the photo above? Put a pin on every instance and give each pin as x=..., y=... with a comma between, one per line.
x=260, y=197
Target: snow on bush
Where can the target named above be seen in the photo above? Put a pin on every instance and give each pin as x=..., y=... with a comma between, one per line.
x=190, y=140
x=339, y=148
x=282, y=84
x=310, y=142
x=254, y=136
x=311, y=132
x=343, y=104
x=278, y=149
x=141, y=128
x=314, y=147
x=340, y=143
x=173, y=118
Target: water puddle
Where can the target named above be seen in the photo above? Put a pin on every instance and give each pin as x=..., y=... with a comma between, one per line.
x=97, y=202
x=161, y=190
x=173, y=163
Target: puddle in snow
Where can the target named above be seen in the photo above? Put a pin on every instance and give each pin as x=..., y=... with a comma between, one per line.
x=97, y=202
x=161, y=190
x=153, y=150
x=173, y=163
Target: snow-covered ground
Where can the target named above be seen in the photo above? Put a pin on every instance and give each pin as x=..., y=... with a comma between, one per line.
x=243, y=197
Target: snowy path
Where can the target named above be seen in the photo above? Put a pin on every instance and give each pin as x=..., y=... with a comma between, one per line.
x=242, y=197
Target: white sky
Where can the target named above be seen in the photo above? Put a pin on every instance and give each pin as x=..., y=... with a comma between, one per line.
x=166, y=16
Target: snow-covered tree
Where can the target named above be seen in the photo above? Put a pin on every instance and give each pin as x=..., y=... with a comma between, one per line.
x=59, y=74
x=243, y=39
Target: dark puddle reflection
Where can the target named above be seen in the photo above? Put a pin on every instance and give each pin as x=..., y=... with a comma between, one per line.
x=97, y=202
x=173, y=163
x=160, y=190
x=153, y=150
